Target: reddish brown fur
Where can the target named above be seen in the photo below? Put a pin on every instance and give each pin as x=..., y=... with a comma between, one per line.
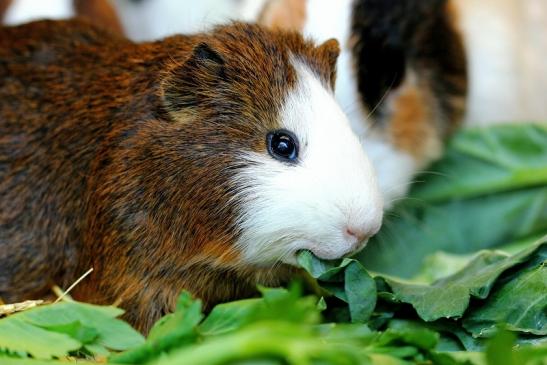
x=410, y=126
x=100, y=12
x=118, y=156
x=4, y=5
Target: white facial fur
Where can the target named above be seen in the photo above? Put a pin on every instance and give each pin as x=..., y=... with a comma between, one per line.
x=310, y=204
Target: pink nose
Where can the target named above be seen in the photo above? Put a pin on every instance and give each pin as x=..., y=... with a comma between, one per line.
x=362, y=233
x=359, y=234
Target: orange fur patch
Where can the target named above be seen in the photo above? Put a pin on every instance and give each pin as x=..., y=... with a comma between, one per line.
x=284, y=14
x=411, y=127
x=221, y=252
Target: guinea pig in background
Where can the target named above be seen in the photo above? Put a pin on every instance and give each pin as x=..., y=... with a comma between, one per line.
x=100, y=12
x=199, y=162
x=402, y=75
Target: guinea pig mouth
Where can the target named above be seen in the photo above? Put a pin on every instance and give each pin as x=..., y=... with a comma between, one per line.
x=293, y=259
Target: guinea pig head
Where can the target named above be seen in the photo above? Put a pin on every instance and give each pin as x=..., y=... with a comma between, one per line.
x=278, y=166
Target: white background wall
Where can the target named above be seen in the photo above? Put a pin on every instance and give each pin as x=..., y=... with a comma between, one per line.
x=507, y=44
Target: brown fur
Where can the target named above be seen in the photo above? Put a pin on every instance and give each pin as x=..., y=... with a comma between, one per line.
x=410, y=128
x=100, y=12
x=119, y=156
x=4, y=5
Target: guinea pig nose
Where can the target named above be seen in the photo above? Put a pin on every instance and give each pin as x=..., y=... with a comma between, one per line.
x=362, y=232
x=359, y=234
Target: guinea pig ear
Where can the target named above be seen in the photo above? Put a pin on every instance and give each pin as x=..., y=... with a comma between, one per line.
x=187, y=85
x=206, y=56
x=328, y=52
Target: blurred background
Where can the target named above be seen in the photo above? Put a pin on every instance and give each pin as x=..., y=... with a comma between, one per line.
x=506, y=42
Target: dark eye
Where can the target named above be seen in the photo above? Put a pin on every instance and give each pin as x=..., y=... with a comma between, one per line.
x=282, y=145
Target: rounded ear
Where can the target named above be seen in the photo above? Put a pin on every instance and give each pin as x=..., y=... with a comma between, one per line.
x=206, y=56
x=188, y=84
x=328, y=52
x=283, y=14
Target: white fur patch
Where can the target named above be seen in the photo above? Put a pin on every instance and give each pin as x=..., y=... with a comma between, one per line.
x=327, y=19
x=309, y=205
x=22, y=11
x=395, y=169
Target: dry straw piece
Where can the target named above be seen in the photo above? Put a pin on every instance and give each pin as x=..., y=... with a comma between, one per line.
x=6, y=309
x=65, y=294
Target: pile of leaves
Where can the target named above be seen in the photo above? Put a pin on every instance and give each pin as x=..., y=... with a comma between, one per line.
x=282, y=327
x=469, y=306
x=466, y=307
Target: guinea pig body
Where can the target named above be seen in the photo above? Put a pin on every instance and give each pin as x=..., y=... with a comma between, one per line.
x=198, y=162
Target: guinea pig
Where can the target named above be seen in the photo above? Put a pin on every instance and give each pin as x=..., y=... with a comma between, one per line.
x=201, y=162
x=402, y=75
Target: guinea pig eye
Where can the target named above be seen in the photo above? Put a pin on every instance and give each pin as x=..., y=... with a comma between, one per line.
x=282, y=145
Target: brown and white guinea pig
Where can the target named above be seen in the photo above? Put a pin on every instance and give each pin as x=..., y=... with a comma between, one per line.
x=199, y=162
x=402, y=75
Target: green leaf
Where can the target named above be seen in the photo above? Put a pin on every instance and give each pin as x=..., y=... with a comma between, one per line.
x=482, y=161
x=76, y=330
x=183, y=321
x=229, y=317
x=440, y=265
x=10, y=361
x=55, y=330
x=416, y=336
x=449, y=297
x=490, y=189
x=175, y=329
x=520, y=302
x=499, y=349
x=280, y=304
x=112, y=333
x=18, y=335
x=265, y=339
x=360, y=291
x=347, y=279
x=417, y=229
